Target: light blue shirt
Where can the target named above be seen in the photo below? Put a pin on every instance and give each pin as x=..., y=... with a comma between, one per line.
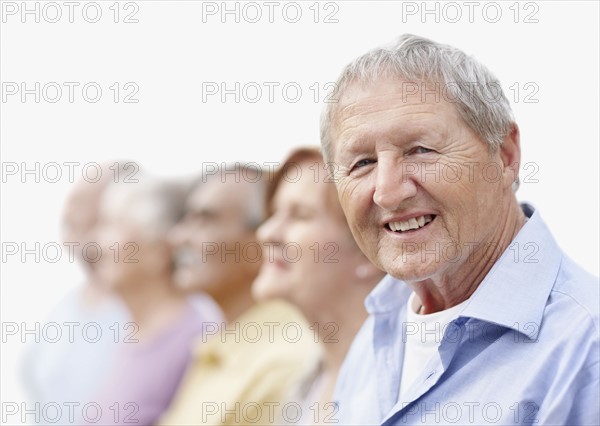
x=524, y=349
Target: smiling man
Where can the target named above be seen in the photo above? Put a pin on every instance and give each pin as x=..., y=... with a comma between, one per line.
x=482, y=318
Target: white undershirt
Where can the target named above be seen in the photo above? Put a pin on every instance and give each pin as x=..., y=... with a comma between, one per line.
x=424, y=335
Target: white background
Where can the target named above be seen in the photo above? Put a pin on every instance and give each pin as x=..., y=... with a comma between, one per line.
x=170, y=52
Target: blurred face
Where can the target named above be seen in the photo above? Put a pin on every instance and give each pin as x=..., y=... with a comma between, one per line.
x=129, y=256
x=214, y=245
x=412, y=183
x=313, y=250
x=80, y=214
x=80, y=218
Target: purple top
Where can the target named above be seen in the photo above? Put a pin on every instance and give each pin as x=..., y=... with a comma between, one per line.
x=146, y=375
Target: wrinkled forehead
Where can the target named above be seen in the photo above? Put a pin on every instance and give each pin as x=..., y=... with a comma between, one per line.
x=384, y=105
x=360, y=97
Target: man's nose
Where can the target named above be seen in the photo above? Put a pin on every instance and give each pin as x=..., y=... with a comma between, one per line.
x=393, y=185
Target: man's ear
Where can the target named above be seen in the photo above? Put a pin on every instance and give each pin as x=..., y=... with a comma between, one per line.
x=510, y=155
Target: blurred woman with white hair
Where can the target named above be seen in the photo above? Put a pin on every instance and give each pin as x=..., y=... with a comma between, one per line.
x=136, y=264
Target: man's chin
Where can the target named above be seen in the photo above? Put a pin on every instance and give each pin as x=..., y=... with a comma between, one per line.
x=411, y=272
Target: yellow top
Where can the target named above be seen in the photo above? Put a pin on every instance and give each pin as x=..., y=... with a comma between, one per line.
x=243, y=371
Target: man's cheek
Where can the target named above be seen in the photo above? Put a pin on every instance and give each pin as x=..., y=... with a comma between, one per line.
x=356, y=201
x=344, y=195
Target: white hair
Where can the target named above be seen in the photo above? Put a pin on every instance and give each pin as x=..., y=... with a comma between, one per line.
x=477, y=94
x=152, y=205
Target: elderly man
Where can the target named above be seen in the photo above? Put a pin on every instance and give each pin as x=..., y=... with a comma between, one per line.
x=482, y=318
x=244, y=366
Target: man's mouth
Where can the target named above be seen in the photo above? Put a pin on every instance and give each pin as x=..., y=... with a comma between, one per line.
x=410, y=225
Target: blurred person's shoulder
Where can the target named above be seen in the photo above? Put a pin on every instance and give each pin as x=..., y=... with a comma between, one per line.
x=88, y=303
x=288, y=342
x=277, y=309
x=207, y=309
x=282, y=322
x=59, y=370
x=268, y=332
x=256, y=358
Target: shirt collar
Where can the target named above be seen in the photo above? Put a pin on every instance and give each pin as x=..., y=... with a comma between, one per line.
x=515, y=291
x=388, y=295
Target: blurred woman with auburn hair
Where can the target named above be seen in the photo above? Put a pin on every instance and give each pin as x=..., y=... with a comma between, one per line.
x=317, y=266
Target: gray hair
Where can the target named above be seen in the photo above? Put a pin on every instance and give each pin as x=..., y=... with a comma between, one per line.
x=477, y=93
x=152, y=205
x=254, y=209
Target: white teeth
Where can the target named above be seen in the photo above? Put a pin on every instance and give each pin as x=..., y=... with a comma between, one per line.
x=412, y=223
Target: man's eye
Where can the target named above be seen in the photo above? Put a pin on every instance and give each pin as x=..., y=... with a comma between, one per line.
x=362, y=163
x=421, y=150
